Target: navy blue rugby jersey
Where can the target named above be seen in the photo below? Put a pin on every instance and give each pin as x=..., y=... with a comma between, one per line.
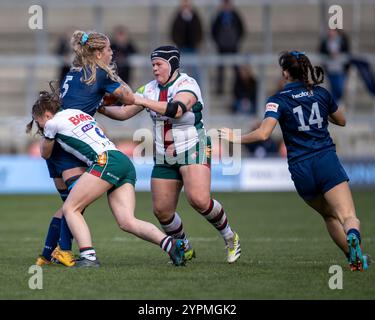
x=76, y=94
x=303, y=119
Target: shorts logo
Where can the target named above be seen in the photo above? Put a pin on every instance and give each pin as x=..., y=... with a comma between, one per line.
x=102, y=159
x=113, y=176
x=272, y=107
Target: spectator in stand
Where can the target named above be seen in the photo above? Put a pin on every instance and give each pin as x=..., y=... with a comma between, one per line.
x=122, y=48
x=244, y=91
x=335, y=48
x=65, y=52
x=187, y=32
x=227, y=32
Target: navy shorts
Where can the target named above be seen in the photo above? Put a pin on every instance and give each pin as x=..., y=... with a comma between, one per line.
x=317, y=175
x=62, y=160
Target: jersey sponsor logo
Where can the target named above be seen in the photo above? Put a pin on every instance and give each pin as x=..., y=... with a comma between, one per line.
x=150, y=91
x=184, y=82
x=87, y=127
x=77, y=119
x=271, y=106
x=301, y=94
x=100, y=133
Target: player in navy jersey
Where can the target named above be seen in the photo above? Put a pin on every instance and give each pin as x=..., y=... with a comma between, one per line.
x=303, y=110
x=91, y=76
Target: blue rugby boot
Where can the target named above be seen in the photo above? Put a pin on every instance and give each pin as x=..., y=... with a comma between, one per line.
x=177, y=253
x=357, y=261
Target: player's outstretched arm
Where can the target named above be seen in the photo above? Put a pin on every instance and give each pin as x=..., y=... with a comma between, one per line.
x=181, y=103
x=261, y=134
x=338, y=118
x=120, y=112
x=124, y=94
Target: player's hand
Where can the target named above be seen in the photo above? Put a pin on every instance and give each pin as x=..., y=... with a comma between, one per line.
x=138, y=100
x=129, y=98
x=101, y=109
x=110, y=99
x=227, y=134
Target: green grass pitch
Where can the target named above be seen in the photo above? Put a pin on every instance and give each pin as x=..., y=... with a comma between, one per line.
x=286, y=253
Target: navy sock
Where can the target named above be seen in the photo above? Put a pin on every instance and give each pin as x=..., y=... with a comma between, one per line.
x=66, y=236
x=63, y=194
x=52, y=238
x=356, y=233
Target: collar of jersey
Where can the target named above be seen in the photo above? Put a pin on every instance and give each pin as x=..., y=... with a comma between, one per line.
x=161, y=87
x=293, y=85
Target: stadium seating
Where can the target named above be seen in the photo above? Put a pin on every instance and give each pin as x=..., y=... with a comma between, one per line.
x=17, y=40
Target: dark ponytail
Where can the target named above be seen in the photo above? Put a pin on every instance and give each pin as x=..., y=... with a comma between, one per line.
x=47, y=101
x=300, y=68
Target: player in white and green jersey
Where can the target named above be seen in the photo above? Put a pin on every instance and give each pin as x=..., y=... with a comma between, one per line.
x=109, y=171
x=183, y=151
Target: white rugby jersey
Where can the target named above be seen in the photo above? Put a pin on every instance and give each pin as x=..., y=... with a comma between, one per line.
x=78, y=133
x=182, y=132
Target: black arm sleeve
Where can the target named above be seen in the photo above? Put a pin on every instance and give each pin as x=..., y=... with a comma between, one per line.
x=172, y=108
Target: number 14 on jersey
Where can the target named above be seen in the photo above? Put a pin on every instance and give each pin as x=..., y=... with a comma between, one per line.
x=314, y=118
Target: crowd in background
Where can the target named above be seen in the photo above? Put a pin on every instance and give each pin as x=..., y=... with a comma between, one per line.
x=227, y=31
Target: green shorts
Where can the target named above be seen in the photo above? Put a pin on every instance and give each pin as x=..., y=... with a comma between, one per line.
x=114, y=167
x=169, y=167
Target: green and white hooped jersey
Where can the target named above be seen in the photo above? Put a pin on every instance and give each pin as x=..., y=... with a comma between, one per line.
x=185, y=132
x=78, y=133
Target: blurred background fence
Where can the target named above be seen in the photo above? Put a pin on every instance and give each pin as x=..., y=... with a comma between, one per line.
x=31, y=58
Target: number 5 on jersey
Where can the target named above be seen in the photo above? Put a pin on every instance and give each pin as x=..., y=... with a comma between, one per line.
x=66, y=86
x=314, y=118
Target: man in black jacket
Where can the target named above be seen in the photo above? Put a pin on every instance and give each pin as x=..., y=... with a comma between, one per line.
x=227, y=32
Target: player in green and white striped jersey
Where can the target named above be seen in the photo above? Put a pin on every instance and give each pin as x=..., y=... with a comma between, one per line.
x=109, y=170
x=183, y=150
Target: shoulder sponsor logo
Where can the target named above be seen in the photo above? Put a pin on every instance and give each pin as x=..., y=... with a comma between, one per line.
x=149, y=91
x=185, y=82
x=271, y=106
